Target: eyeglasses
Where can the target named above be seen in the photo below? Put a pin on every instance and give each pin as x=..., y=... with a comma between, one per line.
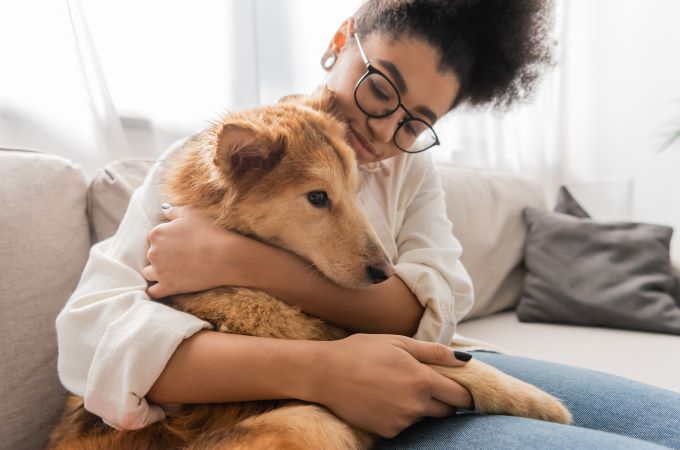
x=378, y=97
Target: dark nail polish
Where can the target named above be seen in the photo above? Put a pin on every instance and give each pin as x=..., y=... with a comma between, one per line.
x=462, y=356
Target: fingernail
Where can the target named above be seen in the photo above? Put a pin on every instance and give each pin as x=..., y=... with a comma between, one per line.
x=462, y=356
x=166, y=206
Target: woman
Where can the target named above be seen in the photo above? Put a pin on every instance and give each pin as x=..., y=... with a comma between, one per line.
x=395, y=68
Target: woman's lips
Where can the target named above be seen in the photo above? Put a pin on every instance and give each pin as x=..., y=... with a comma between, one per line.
x=360, y=144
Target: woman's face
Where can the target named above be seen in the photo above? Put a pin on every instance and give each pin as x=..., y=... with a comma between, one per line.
x=412, y=66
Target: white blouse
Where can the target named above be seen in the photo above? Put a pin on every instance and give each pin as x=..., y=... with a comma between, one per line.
x=114, y=342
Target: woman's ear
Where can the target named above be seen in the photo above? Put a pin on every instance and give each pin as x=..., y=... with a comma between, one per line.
x=341, y=36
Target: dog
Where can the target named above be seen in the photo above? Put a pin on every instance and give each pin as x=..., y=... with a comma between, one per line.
x=283, y=174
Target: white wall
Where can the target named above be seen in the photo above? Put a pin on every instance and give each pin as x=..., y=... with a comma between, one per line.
x=622, y=94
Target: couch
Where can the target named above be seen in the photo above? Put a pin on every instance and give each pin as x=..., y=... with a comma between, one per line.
x=52, y=213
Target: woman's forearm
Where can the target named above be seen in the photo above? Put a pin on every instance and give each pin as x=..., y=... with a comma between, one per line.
x=218, y=367
x=389, y=307
x=190, y=254
x=372, y=381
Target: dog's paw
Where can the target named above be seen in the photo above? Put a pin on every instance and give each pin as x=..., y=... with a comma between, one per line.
x=529, y=401
x=495, y=392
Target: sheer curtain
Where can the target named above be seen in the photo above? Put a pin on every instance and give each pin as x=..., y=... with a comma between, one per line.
x=95, y=81
x=46, y=102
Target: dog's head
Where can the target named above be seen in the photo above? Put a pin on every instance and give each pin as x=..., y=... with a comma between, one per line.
x=285, y=175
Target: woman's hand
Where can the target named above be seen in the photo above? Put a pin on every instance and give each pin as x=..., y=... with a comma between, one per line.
x=379, y=382
x=190, y=254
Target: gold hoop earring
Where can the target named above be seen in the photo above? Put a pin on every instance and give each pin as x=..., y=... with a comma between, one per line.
x=328, y=60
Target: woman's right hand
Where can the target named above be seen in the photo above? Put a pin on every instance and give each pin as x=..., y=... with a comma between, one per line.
x=381, y=383
x=189, y=254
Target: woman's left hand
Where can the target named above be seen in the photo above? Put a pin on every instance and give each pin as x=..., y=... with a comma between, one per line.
x=190, y=254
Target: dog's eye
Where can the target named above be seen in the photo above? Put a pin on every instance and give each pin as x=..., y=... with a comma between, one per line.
x=318, y=198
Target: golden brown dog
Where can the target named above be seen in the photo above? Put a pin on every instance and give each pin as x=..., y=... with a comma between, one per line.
x=285, y=175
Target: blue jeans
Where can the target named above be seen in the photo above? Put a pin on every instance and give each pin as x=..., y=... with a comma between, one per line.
x=609, y=412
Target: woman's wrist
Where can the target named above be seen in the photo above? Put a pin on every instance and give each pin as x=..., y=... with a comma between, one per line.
x=267, y=265
x=250, y=269
x=306, y=376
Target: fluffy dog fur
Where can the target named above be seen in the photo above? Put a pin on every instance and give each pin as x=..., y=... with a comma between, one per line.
x=251, y=172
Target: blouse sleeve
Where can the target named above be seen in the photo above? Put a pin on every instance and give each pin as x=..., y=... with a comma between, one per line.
x=429, y=259
x=113, y=341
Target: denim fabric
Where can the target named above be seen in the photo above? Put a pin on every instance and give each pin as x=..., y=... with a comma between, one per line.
x=610, y=412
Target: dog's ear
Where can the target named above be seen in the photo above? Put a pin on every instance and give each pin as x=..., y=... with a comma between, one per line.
x=243, y=150
x=292, y=98
x=323, y=99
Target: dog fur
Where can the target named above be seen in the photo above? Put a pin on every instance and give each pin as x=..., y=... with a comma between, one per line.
x=250, y=173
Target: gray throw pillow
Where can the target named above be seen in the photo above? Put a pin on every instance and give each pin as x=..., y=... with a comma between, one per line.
x=580, y=271
x=567, y=204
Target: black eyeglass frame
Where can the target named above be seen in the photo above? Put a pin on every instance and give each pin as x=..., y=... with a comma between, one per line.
x=371, y=70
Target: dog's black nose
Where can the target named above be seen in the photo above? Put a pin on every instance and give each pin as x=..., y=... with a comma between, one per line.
x=379, y=272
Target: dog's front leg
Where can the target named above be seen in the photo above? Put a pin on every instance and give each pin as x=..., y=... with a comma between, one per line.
x=495, y=392
x=255, y=313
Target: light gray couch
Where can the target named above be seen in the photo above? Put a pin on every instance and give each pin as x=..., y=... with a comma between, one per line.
x=51, y=213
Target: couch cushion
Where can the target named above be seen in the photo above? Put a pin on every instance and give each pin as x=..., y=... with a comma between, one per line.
x=646, y=357
x=110, y=192
x=44, y=243
x=486, y=210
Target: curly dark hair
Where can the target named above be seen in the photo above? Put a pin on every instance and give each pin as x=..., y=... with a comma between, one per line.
x=498, y=49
